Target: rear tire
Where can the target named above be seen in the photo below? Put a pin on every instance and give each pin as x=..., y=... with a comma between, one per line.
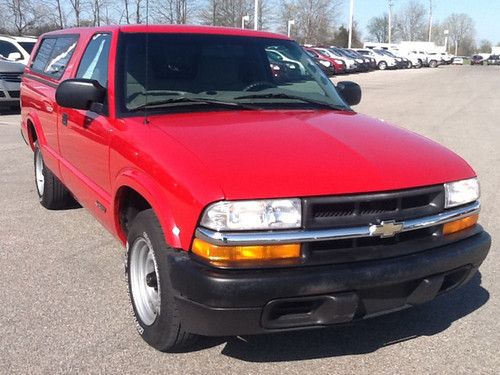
x=433, y=64
x=151, y=293
x=52, y=193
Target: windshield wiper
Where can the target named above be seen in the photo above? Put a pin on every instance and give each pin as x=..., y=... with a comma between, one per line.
x=282, y=95
x=185, y=99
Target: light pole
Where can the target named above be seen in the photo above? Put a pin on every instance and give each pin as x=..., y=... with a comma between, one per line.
x=390, y=20
x=446, y=32
x=430, y=20
x=290, y=23
x=256, y=15
x=243, y=20
x=351, y=16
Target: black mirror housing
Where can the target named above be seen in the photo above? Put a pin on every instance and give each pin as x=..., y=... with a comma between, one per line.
x=80, y=93
x=350, y=92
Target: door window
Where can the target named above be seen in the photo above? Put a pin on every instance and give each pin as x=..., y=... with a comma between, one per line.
x=6, y=48
x=53, y=55
x=94, y=64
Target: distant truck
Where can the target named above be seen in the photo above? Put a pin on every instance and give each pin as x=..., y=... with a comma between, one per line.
x=10, y=80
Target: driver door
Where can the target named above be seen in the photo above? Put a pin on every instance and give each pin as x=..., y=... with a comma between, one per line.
x=84, y=135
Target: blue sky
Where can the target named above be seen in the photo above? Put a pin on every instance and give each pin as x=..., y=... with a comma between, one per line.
x=486, y=13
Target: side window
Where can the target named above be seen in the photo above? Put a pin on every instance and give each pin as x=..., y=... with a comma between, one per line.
x=6, y=48
x=54, y=54
x=94, y=64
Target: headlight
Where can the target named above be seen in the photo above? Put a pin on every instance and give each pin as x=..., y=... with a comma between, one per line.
x=262, y=214
x=461, y=192
x=339, y=62
x=325, y=63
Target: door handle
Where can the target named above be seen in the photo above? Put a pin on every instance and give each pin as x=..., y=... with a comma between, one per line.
x=64, y=119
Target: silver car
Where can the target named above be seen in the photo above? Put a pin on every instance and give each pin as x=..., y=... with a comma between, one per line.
x=10, y=80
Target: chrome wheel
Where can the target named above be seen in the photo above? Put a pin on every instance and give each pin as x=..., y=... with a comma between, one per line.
x=39, y=177
x=144, y=281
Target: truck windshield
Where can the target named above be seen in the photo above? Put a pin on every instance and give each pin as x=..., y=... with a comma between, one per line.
x=186, y=72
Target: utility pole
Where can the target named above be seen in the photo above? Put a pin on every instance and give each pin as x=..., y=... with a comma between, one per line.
x=430, y=20
x=290, y=23
x=256, y=15
x=351, y=16
x=390, y=20
x=244, y=19
x=446, y=32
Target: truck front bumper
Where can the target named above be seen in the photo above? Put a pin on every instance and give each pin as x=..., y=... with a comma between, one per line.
x=216, y=302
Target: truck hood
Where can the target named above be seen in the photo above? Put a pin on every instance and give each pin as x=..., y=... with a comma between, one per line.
x=268, y=154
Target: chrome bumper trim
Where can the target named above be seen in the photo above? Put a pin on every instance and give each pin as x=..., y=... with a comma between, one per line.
x=311, y=235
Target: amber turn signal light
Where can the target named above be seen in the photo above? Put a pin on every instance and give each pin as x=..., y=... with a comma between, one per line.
x=458, y=225
x=224, y=254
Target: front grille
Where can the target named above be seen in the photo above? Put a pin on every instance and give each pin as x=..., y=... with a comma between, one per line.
x=14, y=94
x=11, y=77
x=364, y=210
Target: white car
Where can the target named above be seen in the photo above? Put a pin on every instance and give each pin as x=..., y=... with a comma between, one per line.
x=420, y=58
x=16, y=48
x=446, y=57
x=281, y=57
x=10, y=81
x=458, y=61
x=383, y=61
x=413, y=58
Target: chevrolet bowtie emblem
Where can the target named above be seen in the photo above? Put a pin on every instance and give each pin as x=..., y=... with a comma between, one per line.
x=386, y=229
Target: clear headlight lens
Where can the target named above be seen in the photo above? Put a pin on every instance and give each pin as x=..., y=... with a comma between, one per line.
x=325, y=63
x=261, y=214
x=461, y=192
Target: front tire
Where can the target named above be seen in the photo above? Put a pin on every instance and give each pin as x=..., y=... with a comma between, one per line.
x=382, y=65
x=151, y=293
x=52, y=193
x=433, y=64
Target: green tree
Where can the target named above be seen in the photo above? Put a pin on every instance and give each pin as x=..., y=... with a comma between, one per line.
x=485, y=46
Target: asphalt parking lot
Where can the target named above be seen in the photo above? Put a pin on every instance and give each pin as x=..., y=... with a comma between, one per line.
x=63, y=300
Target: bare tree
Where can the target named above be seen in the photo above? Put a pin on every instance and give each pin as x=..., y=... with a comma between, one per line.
x=378, y=28
x=76, y=6
x=21, y=14
x=461, y=28
x=314, y=19
x=410, y=21
x=226, y=12
x=485, y=46
x=172, y=11
x=97, y=7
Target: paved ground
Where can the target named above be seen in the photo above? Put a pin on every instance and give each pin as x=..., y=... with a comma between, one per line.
x=63, y=302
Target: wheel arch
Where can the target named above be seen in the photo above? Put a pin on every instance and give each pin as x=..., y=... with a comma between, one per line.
x=134, y=193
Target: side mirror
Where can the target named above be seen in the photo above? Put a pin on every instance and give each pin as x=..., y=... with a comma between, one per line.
x=350, y=92
x=80, y=93
x=15, y=56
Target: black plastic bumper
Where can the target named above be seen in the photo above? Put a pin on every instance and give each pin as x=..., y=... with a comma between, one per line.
x=216, y=302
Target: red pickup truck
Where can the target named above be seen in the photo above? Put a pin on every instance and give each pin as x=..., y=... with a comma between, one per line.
x=247, y=205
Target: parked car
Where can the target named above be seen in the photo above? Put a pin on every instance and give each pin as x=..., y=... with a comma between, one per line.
x=434, y=59
x=364, y=62
x=410, y=60
x=401, y=63
x=447, y=58
x=458, y=60
x=336, y=65
x=477, y=60
x=383, y=61
x=420, y=56
x=282, y=57
x=16, y=48
x=351, y=65
x=10, y=80
x=325, y=65
x=284, y=69
x=493, y=60
x=246, y=206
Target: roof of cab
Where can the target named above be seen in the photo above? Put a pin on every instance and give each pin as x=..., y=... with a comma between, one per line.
x=174, y=29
